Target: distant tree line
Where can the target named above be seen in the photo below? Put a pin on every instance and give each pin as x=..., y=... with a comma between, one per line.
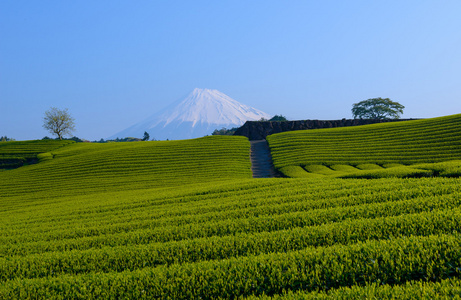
x=146, y=137
x=224, y=131
x=117, y=140
x=5, y=139
x=79, y=140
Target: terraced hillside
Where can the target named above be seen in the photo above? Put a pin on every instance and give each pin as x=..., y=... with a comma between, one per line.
x=16, y=153
x=84, y=167
x=389, y=145
x=213, y=232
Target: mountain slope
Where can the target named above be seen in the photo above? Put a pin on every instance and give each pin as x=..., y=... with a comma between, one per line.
x=201, y=112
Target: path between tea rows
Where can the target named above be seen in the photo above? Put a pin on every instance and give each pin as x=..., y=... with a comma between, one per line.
x=261, y=160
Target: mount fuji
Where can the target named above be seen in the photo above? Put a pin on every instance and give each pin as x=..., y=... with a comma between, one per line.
x=197, y=115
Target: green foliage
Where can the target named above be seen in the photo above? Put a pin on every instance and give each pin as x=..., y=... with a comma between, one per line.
x=75, y=139
x=408, y=142
x=373, y=171
x=343, y=168
x=445, y=169
x=445, y=289
x=15, y=154
x=185, y=220
x=5, y=139
x=278, y=118
x=385, y=261
x=224, y=131
x=275, y=118
x=377, y=108
x=391, y=165
x=59, y=122
x=320, y=169
x=400, y=172
x=118, y=140
x=297, y=172
x=368, y=167
x=146, y=136
x=110, y=258
x=236, y=233
x=108, y=166
x=44, y=156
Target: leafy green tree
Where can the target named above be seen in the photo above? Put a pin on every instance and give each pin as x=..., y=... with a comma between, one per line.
x=58, y=122
x=278, y=118
x=377, y=108
x=146, y=136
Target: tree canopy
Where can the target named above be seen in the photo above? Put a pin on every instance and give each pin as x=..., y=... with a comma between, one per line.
x=146, y=136
x=59, y=122
x=278, y=118
x=274, y=118
x=377, y=108
x=224, y=131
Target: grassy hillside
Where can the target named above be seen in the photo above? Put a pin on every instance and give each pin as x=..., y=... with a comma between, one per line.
x=185, y=220
x=372, y=151
x=84, y=167
x=409, y=142
x=16, y=153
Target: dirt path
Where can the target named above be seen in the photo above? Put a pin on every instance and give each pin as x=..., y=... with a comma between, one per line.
x=261, y=160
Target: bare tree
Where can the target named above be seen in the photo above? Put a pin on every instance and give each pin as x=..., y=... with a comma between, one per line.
x=58, y=122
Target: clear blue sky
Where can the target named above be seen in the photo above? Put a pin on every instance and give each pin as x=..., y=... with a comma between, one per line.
x=114, y=63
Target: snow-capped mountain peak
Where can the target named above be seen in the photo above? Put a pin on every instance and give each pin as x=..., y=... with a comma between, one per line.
x=210, y=106
x=198, y=114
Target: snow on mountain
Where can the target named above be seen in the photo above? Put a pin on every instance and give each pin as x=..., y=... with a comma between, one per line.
x=201, y=112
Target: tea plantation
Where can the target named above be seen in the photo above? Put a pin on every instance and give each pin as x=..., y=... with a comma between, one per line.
x=401, y=149
x=15, y=154
x=370, y=212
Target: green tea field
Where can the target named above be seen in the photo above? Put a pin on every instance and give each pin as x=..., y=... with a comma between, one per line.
x=366, y=212
x=419, y=148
